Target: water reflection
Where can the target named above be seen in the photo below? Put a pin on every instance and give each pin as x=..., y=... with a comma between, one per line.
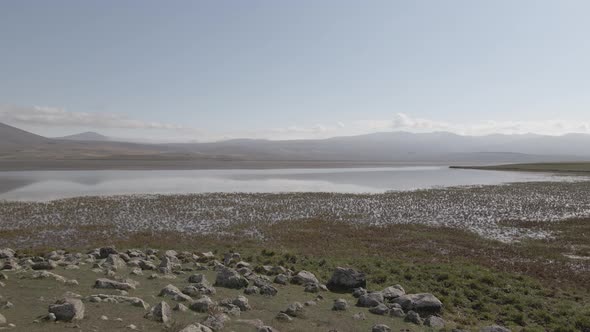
x=48, y=185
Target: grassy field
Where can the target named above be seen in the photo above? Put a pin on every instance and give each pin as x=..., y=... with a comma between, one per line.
x=566, y=167
x=533, y=285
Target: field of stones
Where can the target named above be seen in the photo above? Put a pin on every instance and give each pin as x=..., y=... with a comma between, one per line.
x=154, y=290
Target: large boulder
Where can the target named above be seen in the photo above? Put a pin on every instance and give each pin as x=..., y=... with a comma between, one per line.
x=393, y=292
x=370, y=300
x=422, y=303
x=67, y=309
x=203, y=304
x=304, y=278
x=346, y=279
x=115, y=262
x=106, y=251
x=230, y=278
x=435, y=322
x=160, y=313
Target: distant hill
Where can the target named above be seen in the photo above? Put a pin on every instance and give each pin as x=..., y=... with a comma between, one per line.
x=14, y=137
x=87, y=136
x=377, y=148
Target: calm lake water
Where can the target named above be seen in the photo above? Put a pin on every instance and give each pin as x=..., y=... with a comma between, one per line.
x=49, y=185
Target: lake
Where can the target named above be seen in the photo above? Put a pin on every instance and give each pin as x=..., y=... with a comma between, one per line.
x=50, y=185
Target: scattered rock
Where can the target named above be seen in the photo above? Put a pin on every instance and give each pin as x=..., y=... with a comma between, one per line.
x=104, y=283
x=197, y=279
x=180, y=307
x=2, y=318
x=283, y=317
x=106, y=251
x=393, y=292
x=175, y=293
x=230, y=278
x=304, y=277
x=6, y=253
x=435, y=322
x=346, y=279
x=251, y=290
x=268, y=290
x=359, y=316
x=312, y=288
x=380, y=309
x=422, y=303
x=216, y=322
x=294, y=309
x=370, y=300
x=381, y=328
x=115, y=262
x=202, y=305
x=44, y=265
x=340, y=305
x=281, y=279
x=242, y=303
x=413, y=317
x=67, y=309
x=357, y=292
x=160, y=313
x=196, y=328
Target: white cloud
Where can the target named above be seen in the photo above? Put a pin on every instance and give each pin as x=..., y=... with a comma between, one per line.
x=51, y=116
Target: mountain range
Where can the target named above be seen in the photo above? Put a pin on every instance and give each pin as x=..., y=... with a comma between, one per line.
x=385, y=147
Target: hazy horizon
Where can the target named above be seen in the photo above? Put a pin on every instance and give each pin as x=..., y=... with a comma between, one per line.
x=205, y=71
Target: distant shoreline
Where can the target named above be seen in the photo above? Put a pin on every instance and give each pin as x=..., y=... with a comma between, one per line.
x=188, y=164
x=565, y=167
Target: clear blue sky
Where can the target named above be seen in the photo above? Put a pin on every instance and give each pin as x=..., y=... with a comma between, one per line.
x=252, y=67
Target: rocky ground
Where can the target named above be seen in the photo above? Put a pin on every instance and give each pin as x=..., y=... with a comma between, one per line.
x=481, y=210
x=107, y=289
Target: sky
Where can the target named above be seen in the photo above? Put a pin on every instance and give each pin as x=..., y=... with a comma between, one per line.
x=208, y=70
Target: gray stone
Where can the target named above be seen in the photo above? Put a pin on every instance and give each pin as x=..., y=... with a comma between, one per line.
x=381, y=328
x=196, y=328
x=283, y=317
x=422, y=303
x=268, y=290
x=251, y=290
x=346, y=279
x=230, y=278
x=370, y=300
x=393, y=292
x=242, y=303
x=294, y=309
x=435, y=322
x=67, y=309
x=380, y=309
x=217, y=321
x=202, y=305
x=304, y=277
x=104, y=283
x=44, y=265
x=413, y=317
x=160, y=313
x=494, y=328
x=340, y=305
x=281, y=279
